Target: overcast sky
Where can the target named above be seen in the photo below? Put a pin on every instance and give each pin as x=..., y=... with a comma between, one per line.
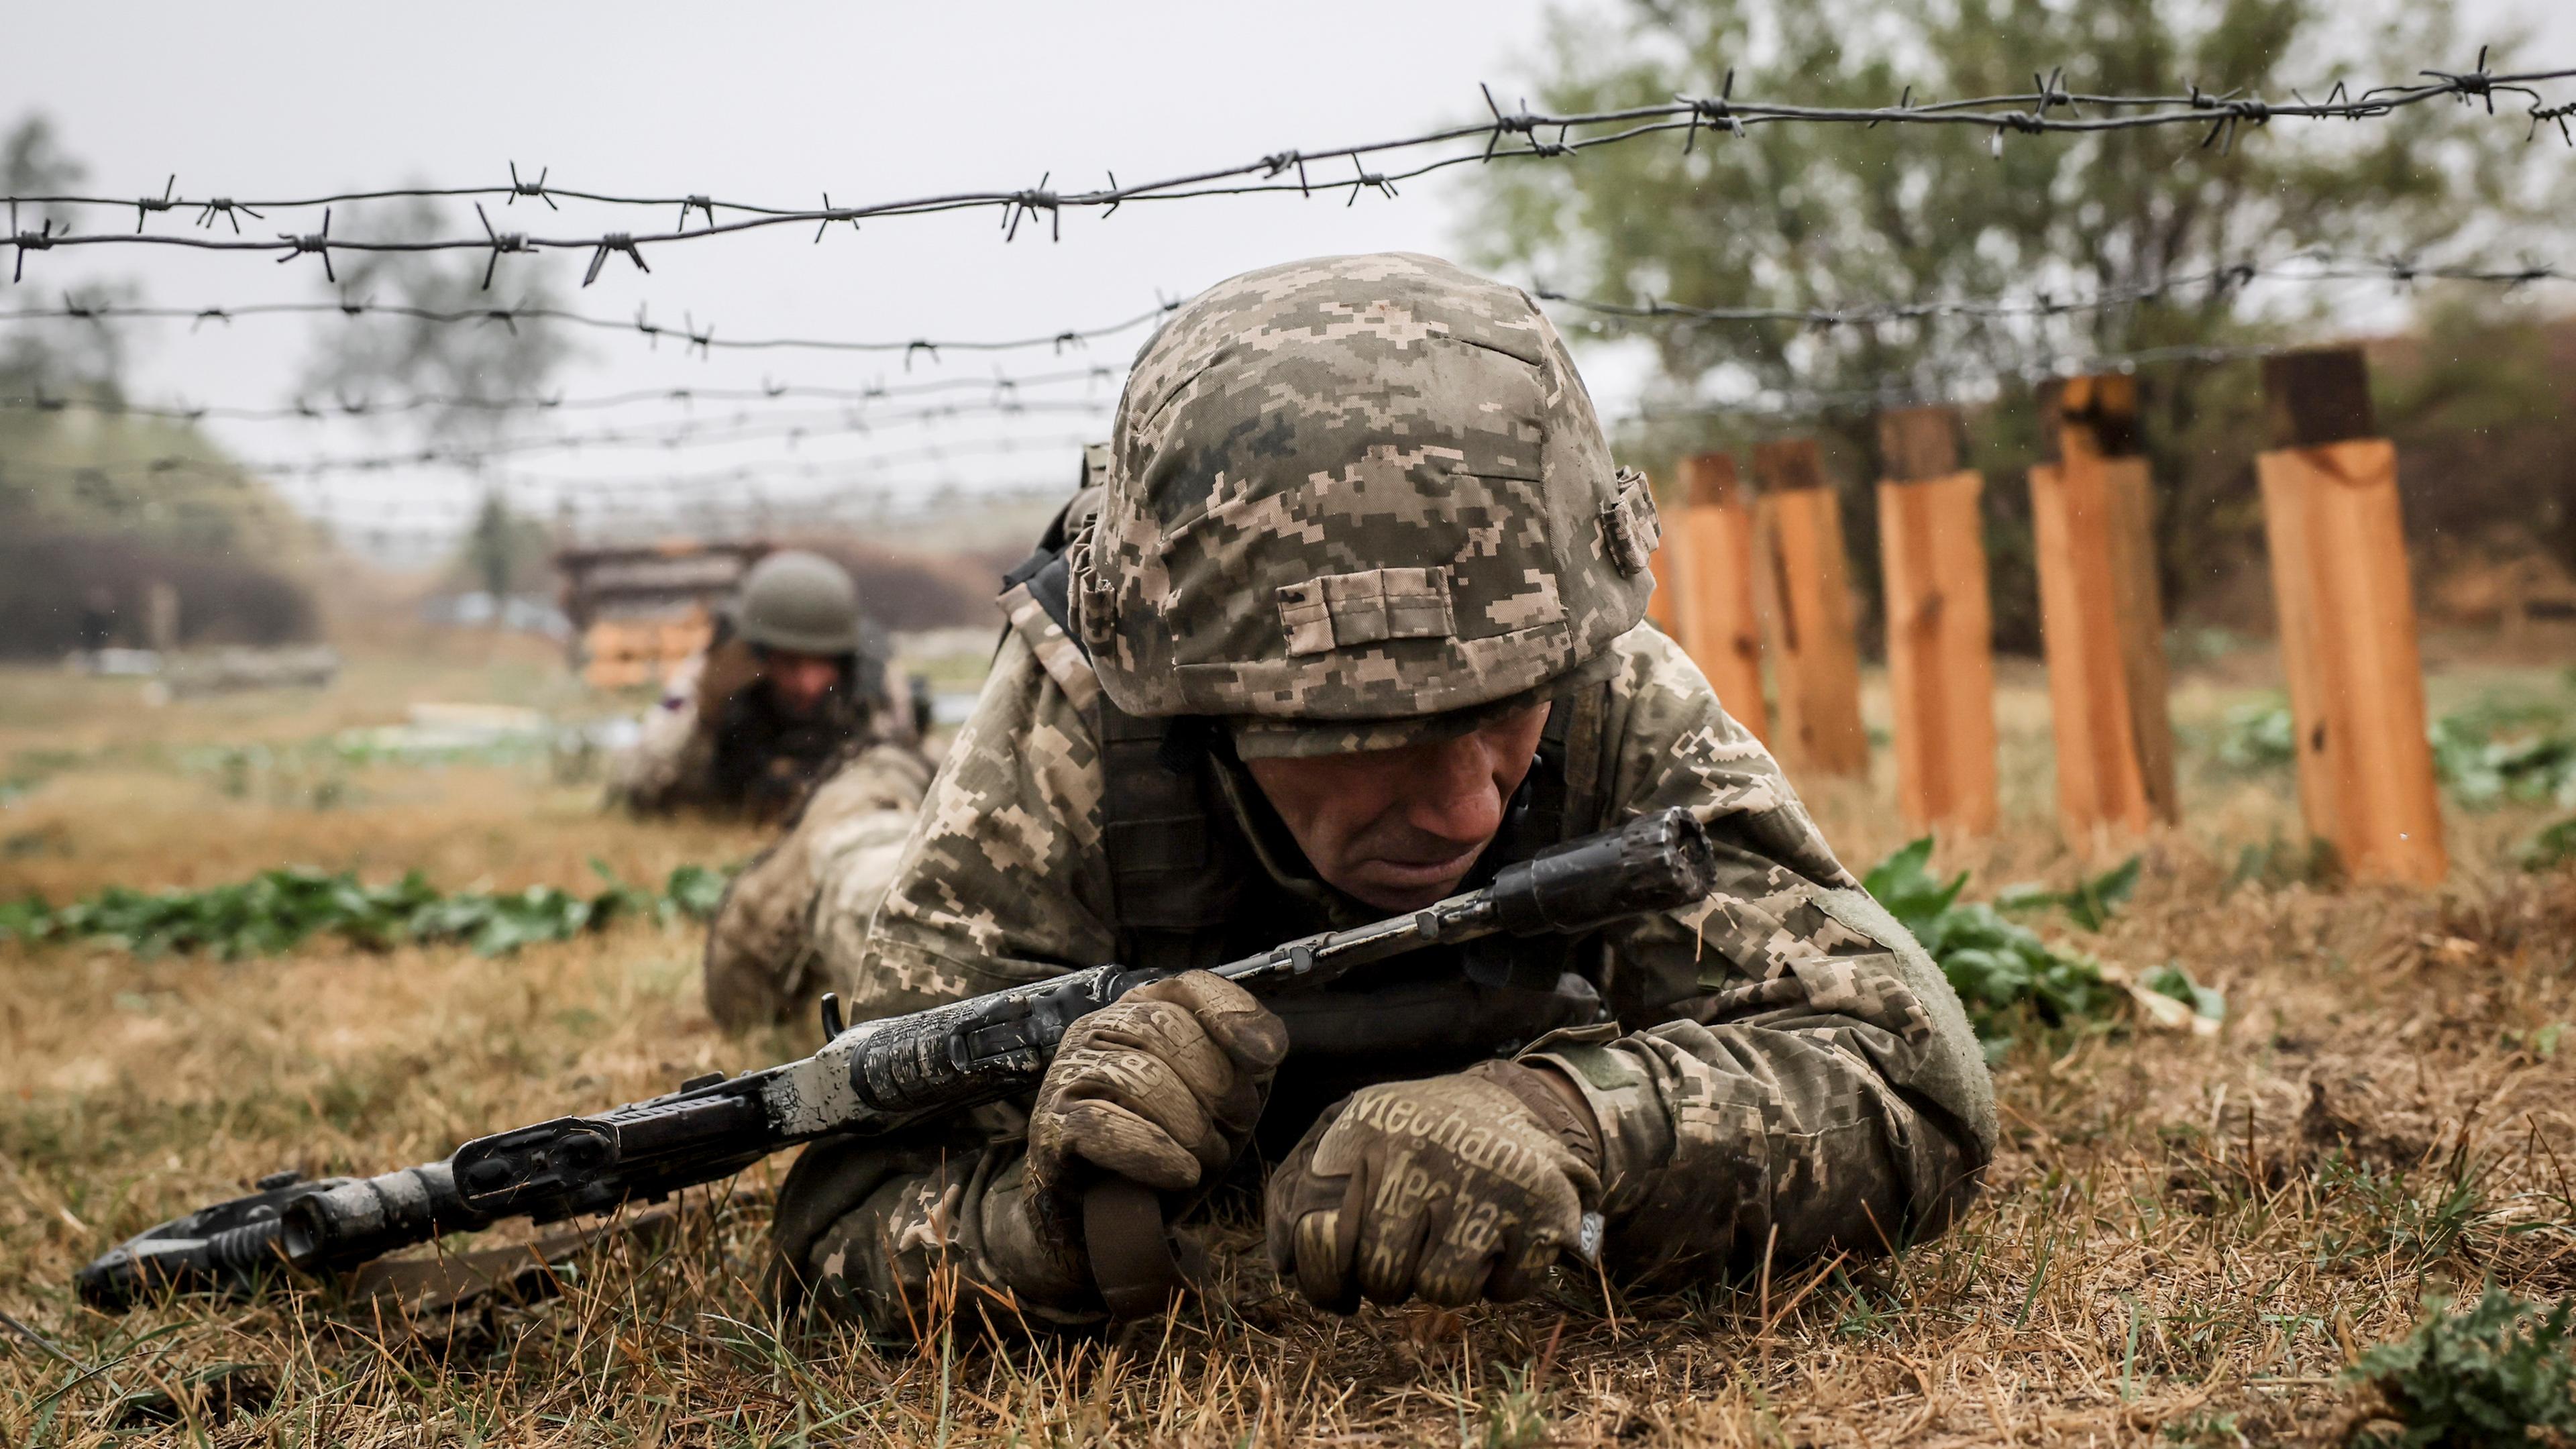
x=772, y=103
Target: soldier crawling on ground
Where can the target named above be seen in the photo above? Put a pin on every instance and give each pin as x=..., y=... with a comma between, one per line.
x=774, y=703
x=1353, y=623
x=787, y=717
x=792, y=921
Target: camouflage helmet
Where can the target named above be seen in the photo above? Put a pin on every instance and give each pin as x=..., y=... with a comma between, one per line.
x=799, y=602
x=1354, y=502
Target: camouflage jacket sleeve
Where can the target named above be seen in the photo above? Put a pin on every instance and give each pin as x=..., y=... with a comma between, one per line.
x=793, y=919
x=1791, y=1074
x=671, y=747
x=1001, y=882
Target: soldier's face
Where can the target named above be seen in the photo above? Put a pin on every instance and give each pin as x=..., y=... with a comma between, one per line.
x=1400, y=828
x=798, y=682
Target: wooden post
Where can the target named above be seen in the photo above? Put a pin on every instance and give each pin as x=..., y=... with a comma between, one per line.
x=2347, y=615
x=2102, y=613
x=1806, y=597
x=1940, y=624
x=1713, y=611
x=1665, y=564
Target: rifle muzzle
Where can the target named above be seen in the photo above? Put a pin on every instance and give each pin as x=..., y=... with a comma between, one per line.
x=1657, y=862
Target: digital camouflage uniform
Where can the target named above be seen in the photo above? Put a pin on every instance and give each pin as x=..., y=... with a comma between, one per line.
x=777, y=941
x=1779, y=1070
x=715, y=742
x=843, y=778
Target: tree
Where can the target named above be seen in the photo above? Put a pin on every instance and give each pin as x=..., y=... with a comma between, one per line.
x=479, y=364
x=503, y=551
x=1830, y=216
x=86, y=360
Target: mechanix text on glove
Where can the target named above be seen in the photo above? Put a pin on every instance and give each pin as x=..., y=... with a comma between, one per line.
x=1453, y=1188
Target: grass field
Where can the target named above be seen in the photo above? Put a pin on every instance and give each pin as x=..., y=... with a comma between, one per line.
x=2186, y=1240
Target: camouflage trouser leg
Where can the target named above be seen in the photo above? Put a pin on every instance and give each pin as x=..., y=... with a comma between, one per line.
x=770, y=951
x=865, y=1231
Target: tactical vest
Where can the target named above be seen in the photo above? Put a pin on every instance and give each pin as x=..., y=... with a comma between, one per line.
x=1188, y=887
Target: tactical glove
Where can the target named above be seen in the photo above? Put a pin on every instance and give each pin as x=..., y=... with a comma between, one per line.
x=1453, y=1188
x=1163, y=1087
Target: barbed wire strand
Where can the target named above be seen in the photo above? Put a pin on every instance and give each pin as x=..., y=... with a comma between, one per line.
x=2312, y=268
x=1774, y=404
x=477, y=456
x=224, y=469
x=745, y=512
x=2049, y=108
x=1002, y=387
x=2398, y=271
x=688, y=334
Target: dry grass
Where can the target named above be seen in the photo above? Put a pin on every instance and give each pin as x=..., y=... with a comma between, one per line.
x=2185, y=1239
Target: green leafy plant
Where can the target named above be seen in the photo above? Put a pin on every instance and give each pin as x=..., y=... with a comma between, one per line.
x=2171, y=980
x=2004, y=973
x=2487, y=753
x=2492, y=752
x=2090, y=904
x=2257, y=736
x=279, y=909
x=2485, y=1377
x=694, y=891
x=2555, y=845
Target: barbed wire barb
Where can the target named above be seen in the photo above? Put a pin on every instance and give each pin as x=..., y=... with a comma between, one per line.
x=536, y=188
x=27, y=241
x=225, y=207
x=615, y=241
x=502, y=241
x=144, y=206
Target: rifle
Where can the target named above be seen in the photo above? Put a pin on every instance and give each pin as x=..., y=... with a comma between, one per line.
x=870, y=1079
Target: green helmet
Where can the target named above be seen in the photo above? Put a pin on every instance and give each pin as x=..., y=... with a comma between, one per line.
x=1353, y=502
x=799, y=602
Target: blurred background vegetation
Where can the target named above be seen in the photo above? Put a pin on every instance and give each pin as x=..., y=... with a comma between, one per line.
x=1834, y=216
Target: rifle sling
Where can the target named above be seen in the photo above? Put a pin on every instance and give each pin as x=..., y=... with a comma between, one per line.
x=1132, y=1261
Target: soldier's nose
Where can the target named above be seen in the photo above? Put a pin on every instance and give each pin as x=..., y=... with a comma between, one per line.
x=1453, y=794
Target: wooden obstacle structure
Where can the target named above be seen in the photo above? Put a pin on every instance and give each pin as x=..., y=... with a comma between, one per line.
x=1713, y=613
x=638, y=611
x=1940, y=624
x=2347, y=620
x=1742, y=577
x=1804, y=583
x=2102, y=614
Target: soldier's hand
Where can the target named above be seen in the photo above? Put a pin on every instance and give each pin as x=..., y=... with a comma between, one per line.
x=1163, y=1086
x=1454, y=1188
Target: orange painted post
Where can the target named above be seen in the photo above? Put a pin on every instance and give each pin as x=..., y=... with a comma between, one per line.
x=1940, y=624
x=2347, y=613
x=1805, y=588
x=1665, y=564
x=1713, y=610
x=2102, y=614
